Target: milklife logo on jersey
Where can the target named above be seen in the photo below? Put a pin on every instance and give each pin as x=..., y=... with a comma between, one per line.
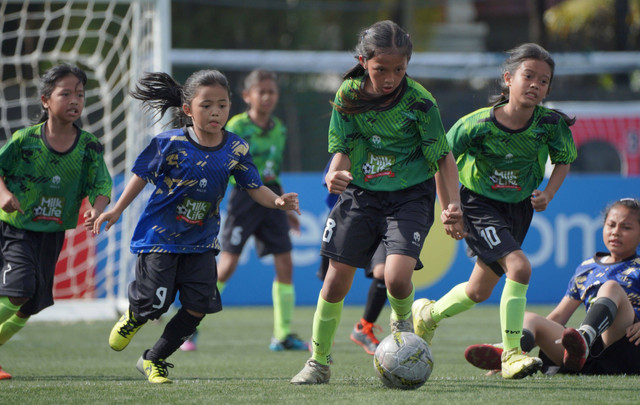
x=378, y=166
x=49, y=209
x=192, y=211
x=505, y=179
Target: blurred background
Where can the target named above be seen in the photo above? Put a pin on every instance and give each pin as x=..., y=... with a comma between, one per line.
x=458, y=48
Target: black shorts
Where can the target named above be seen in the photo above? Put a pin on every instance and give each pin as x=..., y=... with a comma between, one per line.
x=622, y=357
x=28, y=265
x=361, y=219
x=159, y=276
x=494, y=228
x=245, y=217
x=380, y=256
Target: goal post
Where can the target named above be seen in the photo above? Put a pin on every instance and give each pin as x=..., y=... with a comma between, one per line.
x=114, y=42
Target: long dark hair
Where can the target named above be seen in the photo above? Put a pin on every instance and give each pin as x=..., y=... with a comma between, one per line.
x=50, y=78
x=382, y=37
x=159, y=91
x=518, y=55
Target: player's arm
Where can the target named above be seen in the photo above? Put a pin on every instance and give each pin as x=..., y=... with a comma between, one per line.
x=90, y=215
x=540, y=199
x=339, y=175
x=563, y=311
x=447, y=187
x=8, y=201
x=267, y=198
x=131, y=191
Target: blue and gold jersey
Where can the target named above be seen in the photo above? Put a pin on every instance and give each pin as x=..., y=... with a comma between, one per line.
x=508, y=165
x=182, y=214
x=591, y=274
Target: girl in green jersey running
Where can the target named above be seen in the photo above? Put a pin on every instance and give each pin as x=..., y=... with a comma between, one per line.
x=501, y=153
x=389, y=145
x=46, y=170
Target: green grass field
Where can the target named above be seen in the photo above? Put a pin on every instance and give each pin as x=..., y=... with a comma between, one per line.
x=58, y=363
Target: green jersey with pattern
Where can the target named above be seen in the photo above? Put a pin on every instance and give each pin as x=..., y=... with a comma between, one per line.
x=266, y=145
x=50, y=185
x=508, y=165
x=393, y=148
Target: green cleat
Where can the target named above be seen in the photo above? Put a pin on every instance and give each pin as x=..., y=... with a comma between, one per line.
x=155, y=370
x=423, y=325
x=516, y=365
x=123, y=331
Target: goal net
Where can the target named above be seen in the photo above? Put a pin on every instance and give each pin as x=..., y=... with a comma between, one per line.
x=113, y=41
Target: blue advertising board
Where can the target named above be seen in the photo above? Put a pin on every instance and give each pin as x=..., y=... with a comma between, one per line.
x=569, y=231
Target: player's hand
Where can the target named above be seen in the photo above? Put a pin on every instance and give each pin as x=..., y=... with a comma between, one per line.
x=288, y=202
x=338, y=181
x=633, y=333
x=110, y=217
x=540, y=200
x=453, y=223
x=90, y=217
x=9, y=203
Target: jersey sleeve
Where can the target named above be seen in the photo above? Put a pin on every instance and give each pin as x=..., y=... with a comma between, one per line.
x=562, y=148
x=340, y=126
x=245, y=171
x=434, y=141
x=148, y=164
x=99, y=180
x=458, y=138
x=9, y=156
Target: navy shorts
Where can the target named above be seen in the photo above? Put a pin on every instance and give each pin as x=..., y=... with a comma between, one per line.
x=494, y=228
x=160, y=276
x=622, y=357
x=361, y=219
x=245, y=217
x=28, y=265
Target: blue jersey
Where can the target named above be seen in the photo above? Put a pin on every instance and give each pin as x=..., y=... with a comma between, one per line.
x=182, y=214
x=591, y=274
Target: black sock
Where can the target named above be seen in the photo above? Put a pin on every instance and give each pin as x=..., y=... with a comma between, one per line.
x=376, y=299
x=527, y=341
x=179, y=328
x=599, y=317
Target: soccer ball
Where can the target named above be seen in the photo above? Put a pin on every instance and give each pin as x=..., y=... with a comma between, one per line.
x=403, y=360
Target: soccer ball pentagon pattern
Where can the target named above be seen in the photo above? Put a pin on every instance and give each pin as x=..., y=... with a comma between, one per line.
x=403, y=360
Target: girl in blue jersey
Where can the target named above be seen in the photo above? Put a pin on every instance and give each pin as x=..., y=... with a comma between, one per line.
x=501, y=153
x=389, y=145
x=46, y=170
x=176, y=236
x=608, y=284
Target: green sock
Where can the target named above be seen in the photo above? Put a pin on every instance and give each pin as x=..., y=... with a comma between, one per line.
x=7, y=309
x=221, y=285
x=401, y=308
x=10, y=327
x=283, y=296
x=452, y=303
x=325, y=324
x=512, y=306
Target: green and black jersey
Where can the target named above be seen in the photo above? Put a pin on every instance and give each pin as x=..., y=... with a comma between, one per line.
x=508, y=165
x=394, y=148
x=265, y=145
x=50, y=185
